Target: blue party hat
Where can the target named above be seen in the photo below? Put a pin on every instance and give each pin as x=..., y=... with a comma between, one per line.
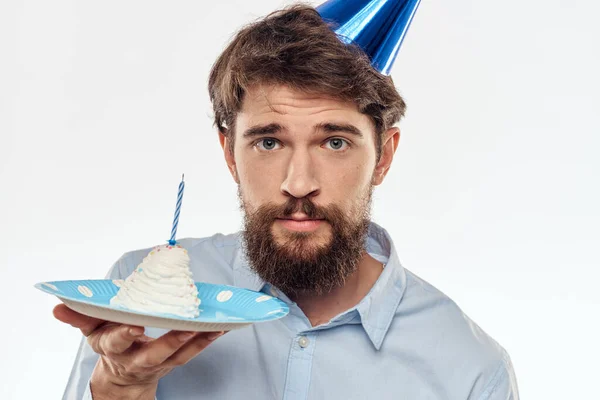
x=377, y=26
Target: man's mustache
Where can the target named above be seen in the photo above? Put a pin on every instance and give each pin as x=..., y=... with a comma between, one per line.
x=268, y=213
x=304, y=205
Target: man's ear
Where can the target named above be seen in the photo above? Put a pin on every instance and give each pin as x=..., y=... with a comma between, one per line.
x=226, y=145
x=390, y=140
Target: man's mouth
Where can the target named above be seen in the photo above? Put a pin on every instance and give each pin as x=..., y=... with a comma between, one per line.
x=300, y=223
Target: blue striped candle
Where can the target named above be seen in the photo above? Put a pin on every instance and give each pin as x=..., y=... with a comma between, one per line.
x=177, y=211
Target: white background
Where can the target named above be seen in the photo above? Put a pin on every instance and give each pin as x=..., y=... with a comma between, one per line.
x=493, y=196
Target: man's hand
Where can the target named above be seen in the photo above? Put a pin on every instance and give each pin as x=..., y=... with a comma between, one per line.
x=131, y=363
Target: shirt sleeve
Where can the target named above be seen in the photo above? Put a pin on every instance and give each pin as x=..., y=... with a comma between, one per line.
x=85, y=361
x=503, y=385
x=87, y=395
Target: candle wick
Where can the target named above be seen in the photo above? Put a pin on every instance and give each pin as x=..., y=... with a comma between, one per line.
x=182, y=176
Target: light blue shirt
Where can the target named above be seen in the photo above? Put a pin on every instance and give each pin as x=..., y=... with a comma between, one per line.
x=404, y=340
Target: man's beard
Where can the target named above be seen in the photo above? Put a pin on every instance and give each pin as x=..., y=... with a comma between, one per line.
x=298, y=265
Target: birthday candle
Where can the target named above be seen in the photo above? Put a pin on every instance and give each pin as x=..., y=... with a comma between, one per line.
x=177, y=211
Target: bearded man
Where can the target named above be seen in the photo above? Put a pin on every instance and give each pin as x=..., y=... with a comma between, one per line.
x=306, y=124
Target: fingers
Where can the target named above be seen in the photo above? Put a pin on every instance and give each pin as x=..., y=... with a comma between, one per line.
x=157, y=351
x=191, y=349
x=164, y=348
x=114, y=339
x=86, y=324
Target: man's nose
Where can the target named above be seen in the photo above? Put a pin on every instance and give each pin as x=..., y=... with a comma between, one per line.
x=300, y=179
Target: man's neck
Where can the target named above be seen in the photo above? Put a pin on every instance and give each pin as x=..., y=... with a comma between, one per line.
x=320, y=309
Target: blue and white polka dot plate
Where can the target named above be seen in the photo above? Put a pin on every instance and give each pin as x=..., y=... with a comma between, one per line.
x=222, y=307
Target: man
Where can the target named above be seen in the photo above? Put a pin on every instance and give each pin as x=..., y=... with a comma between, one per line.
x=307, y=130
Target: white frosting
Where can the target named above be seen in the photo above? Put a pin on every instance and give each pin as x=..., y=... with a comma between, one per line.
x=162, y=283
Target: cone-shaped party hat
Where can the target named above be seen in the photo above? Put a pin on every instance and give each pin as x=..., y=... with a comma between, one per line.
x=377, y=26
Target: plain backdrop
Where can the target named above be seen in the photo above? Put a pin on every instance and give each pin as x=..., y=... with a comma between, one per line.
x=493, y=195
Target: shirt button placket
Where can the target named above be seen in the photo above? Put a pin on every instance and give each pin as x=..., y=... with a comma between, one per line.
x=299, y=367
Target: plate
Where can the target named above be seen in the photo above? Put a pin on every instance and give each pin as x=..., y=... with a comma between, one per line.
x=222, y=307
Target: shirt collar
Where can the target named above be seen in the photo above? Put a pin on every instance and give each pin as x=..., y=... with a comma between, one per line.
x=378, y=307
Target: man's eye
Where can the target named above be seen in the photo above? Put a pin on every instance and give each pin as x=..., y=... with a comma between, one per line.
x=337, y=143
x=267, y=144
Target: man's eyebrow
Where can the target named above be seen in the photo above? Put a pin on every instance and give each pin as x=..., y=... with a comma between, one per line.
x=260, y=130
x=331, y=127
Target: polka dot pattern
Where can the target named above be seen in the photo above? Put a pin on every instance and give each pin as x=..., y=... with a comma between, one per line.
x=51, y=286
x=223, y=307
x=224, y=296
x=84, y=290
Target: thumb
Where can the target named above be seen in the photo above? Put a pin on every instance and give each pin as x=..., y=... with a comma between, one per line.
x=86, y=324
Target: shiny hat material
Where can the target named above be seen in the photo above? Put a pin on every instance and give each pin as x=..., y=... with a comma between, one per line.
x=377, y=26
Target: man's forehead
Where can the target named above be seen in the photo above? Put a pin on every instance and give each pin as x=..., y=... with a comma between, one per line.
x=282, y=99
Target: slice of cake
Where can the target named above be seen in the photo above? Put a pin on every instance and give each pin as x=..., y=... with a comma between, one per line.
x=162, y=283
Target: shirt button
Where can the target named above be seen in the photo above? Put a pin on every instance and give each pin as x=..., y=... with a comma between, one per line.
x=303, y=342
